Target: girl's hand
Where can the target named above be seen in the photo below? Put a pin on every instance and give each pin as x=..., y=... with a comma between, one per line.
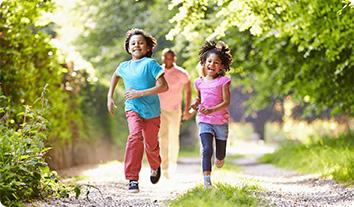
x=195, y=104
x=206, y=111
x=110, y=105
x=133, y=94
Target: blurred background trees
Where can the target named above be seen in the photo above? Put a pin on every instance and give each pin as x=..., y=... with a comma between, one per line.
x=297, y=48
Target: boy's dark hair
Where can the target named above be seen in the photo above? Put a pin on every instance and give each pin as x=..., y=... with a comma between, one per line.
x=220, y=49
x=150, y=40
x=168, y=50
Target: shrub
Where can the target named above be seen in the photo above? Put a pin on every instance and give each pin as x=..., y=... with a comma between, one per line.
x=24, y=174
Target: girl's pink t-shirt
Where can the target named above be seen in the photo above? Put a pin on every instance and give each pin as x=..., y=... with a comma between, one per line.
x=211, y=95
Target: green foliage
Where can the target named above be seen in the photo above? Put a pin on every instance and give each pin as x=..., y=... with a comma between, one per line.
x=29, y=69
x=24, y=174
x=29, y=62
x=103, y=29
x=220, y=195
x=332, y=157
x=298, y=48
x=98, y=123
x=189, y=152
x=24, y=50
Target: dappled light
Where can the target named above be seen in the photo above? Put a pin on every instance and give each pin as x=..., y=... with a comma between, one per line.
x=80, y=100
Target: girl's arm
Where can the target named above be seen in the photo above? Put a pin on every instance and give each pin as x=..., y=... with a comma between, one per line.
x=196, y=101
x=224, y=104
x=110, y=101
x=161, y=86
x=195, y=104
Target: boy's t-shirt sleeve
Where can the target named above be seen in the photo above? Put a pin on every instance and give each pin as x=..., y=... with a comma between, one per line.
x=156, y=69
x=118, y=72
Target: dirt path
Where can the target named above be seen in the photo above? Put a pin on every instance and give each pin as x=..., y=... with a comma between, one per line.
x=288, y=188
x=282, y=188
x=109, y=179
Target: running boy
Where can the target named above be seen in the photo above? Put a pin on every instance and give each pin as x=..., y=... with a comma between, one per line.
x=143, y=79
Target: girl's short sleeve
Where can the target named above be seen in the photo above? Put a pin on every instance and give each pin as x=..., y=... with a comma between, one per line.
x=197, y=83
x=156, y=69
x=226, y=80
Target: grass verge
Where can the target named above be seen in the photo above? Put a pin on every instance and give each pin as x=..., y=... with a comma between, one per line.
x=332, y=157
x=221, y=195
x=189, y=152
x=229, y=163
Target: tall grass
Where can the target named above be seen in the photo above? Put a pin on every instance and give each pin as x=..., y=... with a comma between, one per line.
x=221, y=195
x=332, y=157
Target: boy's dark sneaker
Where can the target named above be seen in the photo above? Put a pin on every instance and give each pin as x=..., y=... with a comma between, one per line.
x=133, y=186
x=155, y=175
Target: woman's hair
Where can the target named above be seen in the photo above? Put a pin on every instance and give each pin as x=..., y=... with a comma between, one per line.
x=220, y=49
x=150, y=40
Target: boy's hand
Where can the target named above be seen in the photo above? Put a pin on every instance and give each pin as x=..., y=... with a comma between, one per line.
x=133, y=94
x=110, y=105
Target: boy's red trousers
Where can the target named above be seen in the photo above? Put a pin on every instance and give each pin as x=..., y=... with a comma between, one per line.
x=143, y=133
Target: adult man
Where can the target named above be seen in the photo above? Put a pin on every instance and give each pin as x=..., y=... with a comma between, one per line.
x=171, y=113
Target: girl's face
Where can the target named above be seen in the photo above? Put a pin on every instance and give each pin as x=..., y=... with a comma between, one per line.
x=213, y=65
x=138, y=47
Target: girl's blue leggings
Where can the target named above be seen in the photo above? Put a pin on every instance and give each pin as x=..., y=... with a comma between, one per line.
x=207, y=144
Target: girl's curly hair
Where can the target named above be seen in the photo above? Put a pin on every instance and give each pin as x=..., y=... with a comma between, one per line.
x=150, y=40
x=220, y=49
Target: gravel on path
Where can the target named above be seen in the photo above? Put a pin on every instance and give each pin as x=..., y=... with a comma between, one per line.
x=282, y=188
x=286, y=188
x=105, y=186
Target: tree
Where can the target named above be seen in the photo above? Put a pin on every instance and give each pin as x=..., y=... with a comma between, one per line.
x=105, y=23
x=299, y=48
x=29, y=62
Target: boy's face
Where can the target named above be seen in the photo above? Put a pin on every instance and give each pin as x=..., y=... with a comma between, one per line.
x=138, y=47
x=168, y=59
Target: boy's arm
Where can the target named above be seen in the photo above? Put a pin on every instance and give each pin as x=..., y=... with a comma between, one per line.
x=225, y=103
x=110, y=101
x=161, y=86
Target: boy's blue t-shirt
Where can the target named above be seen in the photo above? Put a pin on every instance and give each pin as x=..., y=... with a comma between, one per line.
x=139, y=75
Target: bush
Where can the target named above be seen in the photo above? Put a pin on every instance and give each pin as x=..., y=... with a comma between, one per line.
x=24, y=174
